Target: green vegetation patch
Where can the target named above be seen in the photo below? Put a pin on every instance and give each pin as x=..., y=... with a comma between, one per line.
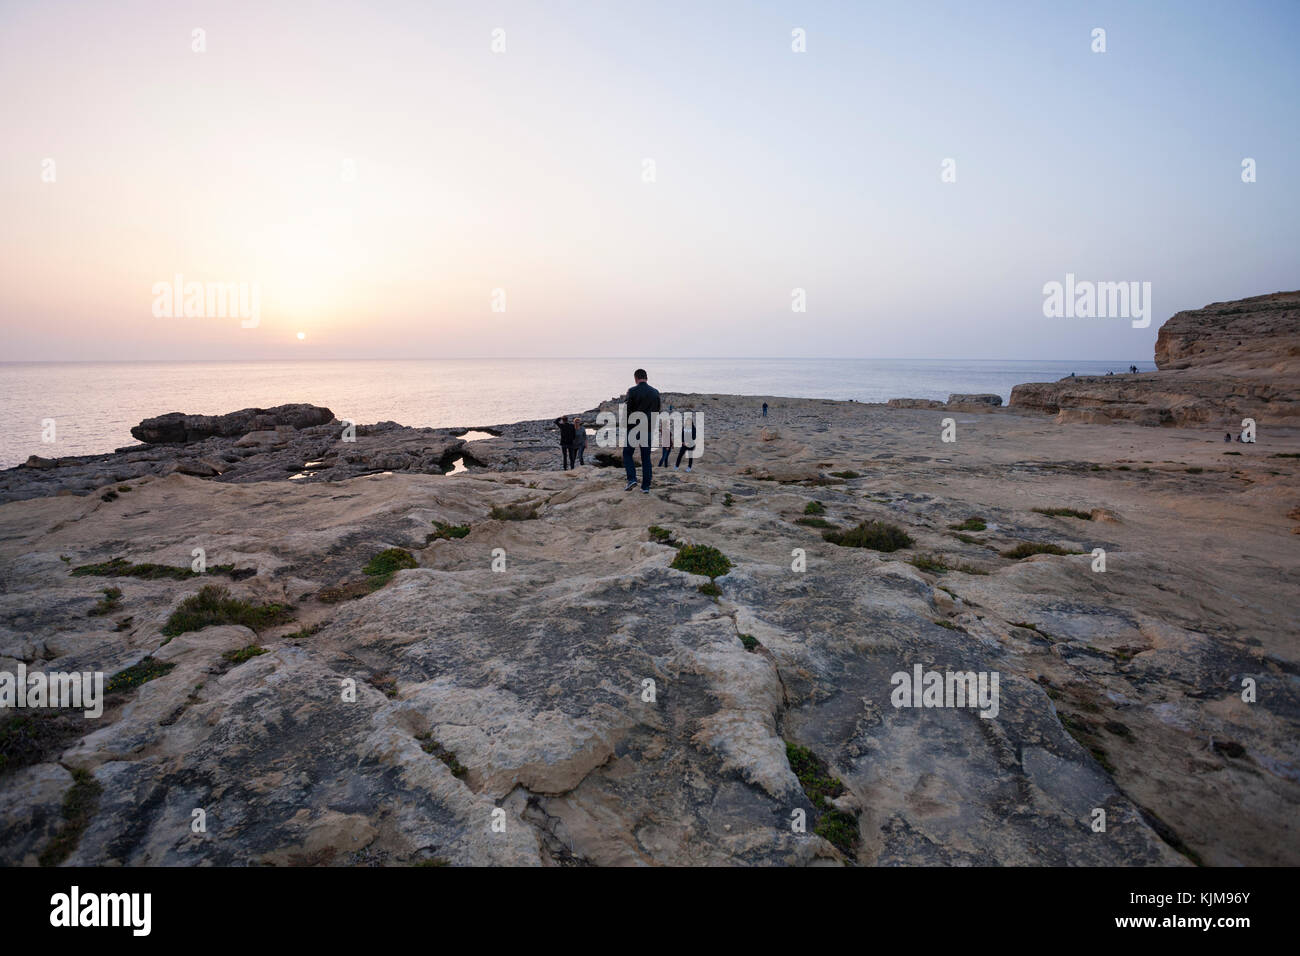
x=814, y=508
x=442, y=530
x=840, y=829
x=814, y=776
x=110, y=602
x=214, y=605
x=660, y=535
x=970, y=524
x=79, y=806
x=876, y=535
x=814, y=522
x=929, y=563
x=1026, y=548
x=524, y=511
x=749, y=640
x=388, y=562
x=701, y=559
x=244, y=654
x=148, y=669
x=711, y=589
x=122, y=568
x=1064, y=513
x=28, y=738
x=435, y=749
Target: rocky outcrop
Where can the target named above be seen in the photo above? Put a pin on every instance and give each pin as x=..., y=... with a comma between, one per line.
x=302, y=443
x=588, y=696
x=1216, y=366
x=982, y=398
x=1259, y=335
x=177, y=427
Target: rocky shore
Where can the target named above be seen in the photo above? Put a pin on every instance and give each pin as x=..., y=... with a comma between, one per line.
x=432, y=646
x=1215, y=366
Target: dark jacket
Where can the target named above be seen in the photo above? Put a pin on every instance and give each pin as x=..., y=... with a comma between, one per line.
x=566, y=433
x=642, y=398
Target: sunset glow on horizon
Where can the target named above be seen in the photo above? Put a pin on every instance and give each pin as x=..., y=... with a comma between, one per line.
x=463, y=201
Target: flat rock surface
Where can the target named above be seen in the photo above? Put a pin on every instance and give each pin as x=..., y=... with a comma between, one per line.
x=584, y=702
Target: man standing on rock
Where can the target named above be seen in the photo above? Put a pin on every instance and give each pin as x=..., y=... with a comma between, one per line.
x=642, y=401
x=567, y=434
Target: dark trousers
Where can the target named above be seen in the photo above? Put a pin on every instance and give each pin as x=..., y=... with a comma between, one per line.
x=663, y=459
x=568, y=456
x=680, y=454
x=629, y=464
x=578, y=452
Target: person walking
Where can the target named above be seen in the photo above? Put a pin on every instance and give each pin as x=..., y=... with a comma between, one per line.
x=765, y=409
x=566, y=440
x=688, y=442
x=665, y=438
x=579, y=442
x=642, y=401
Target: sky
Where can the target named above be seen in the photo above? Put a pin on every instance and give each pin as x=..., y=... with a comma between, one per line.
x=626, y=179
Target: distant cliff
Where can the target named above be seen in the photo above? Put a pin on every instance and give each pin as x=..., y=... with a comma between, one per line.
x=1222, y=363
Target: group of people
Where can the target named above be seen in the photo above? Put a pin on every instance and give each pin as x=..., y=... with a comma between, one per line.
x=573, y=441
x=641, y=397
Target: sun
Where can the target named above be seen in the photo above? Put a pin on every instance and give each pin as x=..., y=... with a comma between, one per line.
x=301, y=336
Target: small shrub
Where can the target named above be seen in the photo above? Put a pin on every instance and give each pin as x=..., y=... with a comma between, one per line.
x=814, y=776
x=967, y=539
x=435, y=749
x=816, y=522
x=388, y=562
x=728, y=501
x=929, y=563
x=876, y=535
x=814, y=508
x=660, y=535
x=524, y=511
x=701, y=559
x=447, y=531
x=711, y=589
x=840, y=829
x=132, y=677
x=970, y=524
x=214, y=605
x=309, y=631
x=749, y=640
x=122, y=568
x=1026, y=548
x=110, y=602
x=244, y=654
x=1064, y=513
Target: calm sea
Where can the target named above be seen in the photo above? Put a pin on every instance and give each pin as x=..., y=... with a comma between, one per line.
x=93, y=405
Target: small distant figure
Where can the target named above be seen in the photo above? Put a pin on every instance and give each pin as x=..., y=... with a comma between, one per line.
x=1133, y=369
x=688, y=441
x=1227, y=436
x=1110, y=373
x=1071, y=375
x=567, y=435
x=665, y=437
x=579, y=442
x=765, y=409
